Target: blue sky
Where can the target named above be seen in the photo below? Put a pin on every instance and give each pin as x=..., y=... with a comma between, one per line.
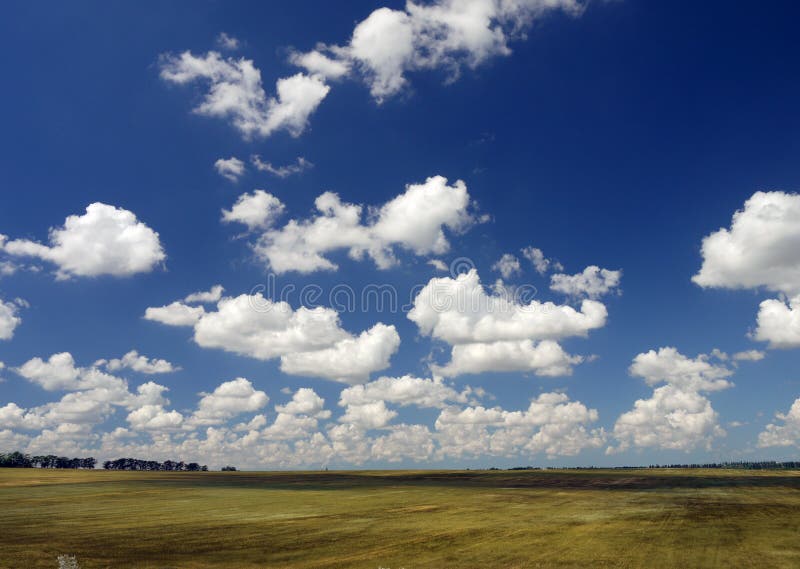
x=615, y=135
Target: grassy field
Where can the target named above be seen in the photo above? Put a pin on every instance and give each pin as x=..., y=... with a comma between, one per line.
x=409, y=519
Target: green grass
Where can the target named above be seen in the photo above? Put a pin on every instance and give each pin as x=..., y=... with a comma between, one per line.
x=411, y=520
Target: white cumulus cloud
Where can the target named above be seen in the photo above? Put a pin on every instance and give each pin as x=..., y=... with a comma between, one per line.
x=677, y=416
x=106, y=240
x=235, y=93
x=309, y=342
x=258, y=210
x=414, y=220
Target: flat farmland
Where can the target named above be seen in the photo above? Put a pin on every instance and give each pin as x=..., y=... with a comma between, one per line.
x=401, y=519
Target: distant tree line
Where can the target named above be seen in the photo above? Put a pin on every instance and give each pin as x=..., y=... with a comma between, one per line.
x=19, y=460
x=740, y=465
x=167, y=465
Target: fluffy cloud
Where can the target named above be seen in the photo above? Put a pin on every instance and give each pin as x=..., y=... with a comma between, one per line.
x=667, y=365
x=258, y=210
x=299, y=418
x=507, y=266
x=57, y=373
x=405, y=390
x=305, y=401
x=677, y=416
x=104, y=241
x=414, y=220
x=541, y=263
x=317, y=63
x=300, y=165
x=545, y=358
x=593, y=282
x=404, y=442
x=778, y=322
x=154, y=418
x=231, y=168
x=350, y=360
x=459, y=310
x=552, y=424
x=137, y=362
x=92, y=398
x=368, y=415
x=308, y=341
x=760, y=249
x=236, y=93
x=672, y=418
x=786, y=434
x=175, y=314
x=229, y=399
x=495, y=332
x=9, y=318
x=448, y=35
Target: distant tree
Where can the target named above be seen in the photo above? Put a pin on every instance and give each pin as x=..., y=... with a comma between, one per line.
x=228, y=469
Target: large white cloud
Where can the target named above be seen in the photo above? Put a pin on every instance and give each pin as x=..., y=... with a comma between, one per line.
x=236, y=93
x=760, y=249
x=309, y=342
x=446, y=34
x=677, y=416
x=106, y=240
x=414, y=220
x=499, y=332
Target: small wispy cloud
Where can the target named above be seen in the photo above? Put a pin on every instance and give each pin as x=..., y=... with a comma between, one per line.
x=300, y=165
